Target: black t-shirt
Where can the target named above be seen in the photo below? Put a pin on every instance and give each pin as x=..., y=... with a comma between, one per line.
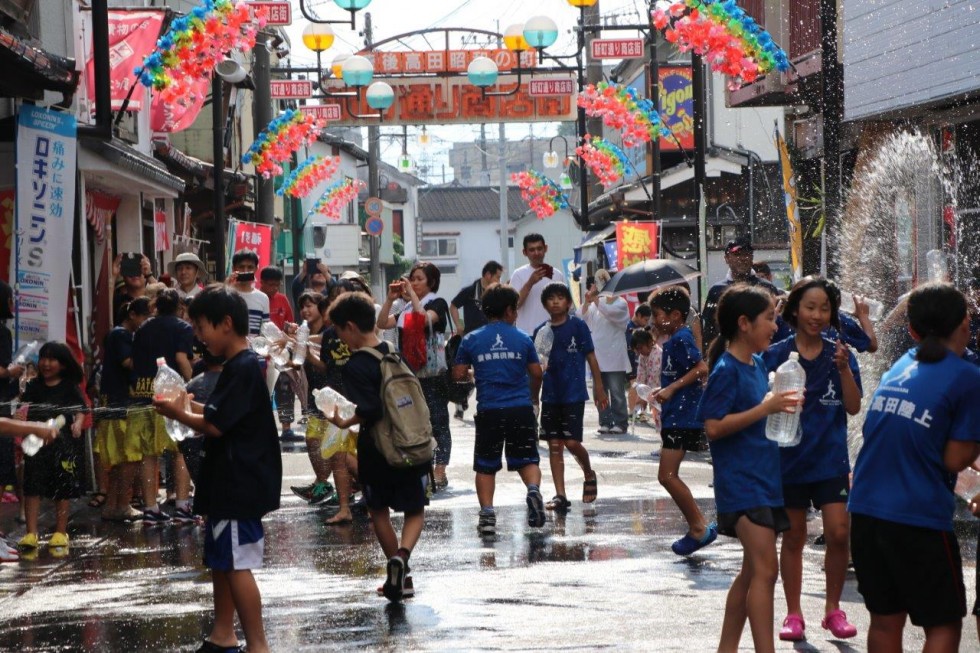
x=362, y=381
x=114, y=386
x=160, y=336
x=468, y=299
x=334, y=353
x=8, y=387
x=241, y=474
x=48, y=401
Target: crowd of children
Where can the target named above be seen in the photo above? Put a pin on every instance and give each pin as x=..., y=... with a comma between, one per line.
x=894, y=514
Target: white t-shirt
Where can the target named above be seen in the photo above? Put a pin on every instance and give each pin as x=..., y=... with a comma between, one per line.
x=608, y=325
x=258, y=309
x=531, y=314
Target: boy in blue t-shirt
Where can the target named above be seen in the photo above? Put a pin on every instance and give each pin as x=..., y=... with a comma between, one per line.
x=504, y=366
x=241, y=473
x=564, y=394
x=680, y=393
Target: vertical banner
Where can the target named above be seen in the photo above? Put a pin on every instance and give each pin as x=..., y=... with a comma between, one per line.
x=792, y=210
x=7, y=202
x=635, y=242
x=99, y=209
x=161, y=237
x=44, y=220
x=677, y=107
x=253, y=236
x=611, y=248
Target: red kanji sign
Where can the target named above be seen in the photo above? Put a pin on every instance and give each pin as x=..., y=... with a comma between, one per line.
x=635, y=242
x=444, y=61
x=545, y=87
x=617, y=48
x=433, y=101
x=284, y=89
x=279, y=13
x=329, y=112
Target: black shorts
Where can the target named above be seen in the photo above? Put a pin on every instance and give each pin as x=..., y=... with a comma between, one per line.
x=53, y=471
x=514, y=427
x=686, y=439
x=562, y=421
x=404, y=493
x=902, y=568
x=976, y=604
x=801, y=496
x=774, y=518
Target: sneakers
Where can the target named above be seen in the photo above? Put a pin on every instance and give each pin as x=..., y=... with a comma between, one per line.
x=688, y=545
x=303, y=491
x=408, y=592
x=320, y=493
x=154, y=517
x=29, y=541
x=185, y=516
x=603, y=430
x=488, y=523
x=394, y=587
x=535, y=509
x=9, y=496
x=288, y=435
x=8, y=553
x=793, y=628
x=836, y=623
x=616, y=430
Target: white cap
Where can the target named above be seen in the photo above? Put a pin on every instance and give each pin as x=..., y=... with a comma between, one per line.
x=794, y=355
x=161, y=361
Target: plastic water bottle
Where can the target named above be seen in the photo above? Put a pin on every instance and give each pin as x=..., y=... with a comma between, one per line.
x=784, y=428
x=302, y=339
x=32, y=443
x=642, y=391
x=167, y=385
x=875, y=308
x=327, y=399
x=544, y=340
x=260, y=345
x=277, y=344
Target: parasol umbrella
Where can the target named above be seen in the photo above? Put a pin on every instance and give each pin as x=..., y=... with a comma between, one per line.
x=648, y=275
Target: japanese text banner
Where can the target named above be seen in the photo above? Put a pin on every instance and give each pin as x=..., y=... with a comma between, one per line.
x=636, y=242
x=45, y=216
x=132, y=36
x=253, y=236
x=433, y=101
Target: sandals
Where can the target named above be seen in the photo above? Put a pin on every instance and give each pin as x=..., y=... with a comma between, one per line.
x=559, y=503
x=590, y=489
x=98, y=500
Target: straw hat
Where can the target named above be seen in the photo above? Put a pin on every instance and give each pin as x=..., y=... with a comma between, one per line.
x=187, y=257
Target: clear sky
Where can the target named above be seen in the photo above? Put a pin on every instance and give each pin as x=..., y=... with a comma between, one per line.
x=393, y=17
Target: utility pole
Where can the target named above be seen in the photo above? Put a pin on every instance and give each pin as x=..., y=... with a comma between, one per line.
x=374, y=153
x=656, y=209
x=261, y=117
x=832, y=95
x=502, y=163
x=700, y=153
x=484, y=170
x=218, y=151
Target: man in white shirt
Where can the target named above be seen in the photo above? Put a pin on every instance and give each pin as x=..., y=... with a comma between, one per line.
x=244, y=263
x=607, y=318
x=529, y=280
x=187, y=270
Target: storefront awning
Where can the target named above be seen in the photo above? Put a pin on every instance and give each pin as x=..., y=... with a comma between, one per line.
x=28, y=70
x=118, y=166
x=189, y=166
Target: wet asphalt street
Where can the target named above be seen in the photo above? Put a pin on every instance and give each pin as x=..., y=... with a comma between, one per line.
x=598, y=578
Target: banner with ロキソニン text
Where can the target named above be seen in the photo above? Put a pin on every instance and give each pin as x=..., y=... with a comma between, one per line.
x=43, y=222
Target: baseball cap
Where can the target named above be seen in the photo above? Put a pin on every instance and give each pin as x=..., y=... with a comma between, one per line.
x=739, y=245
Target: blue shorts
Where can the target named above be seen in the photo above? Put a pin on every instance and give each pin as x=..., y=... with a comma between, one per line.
x=233, y=544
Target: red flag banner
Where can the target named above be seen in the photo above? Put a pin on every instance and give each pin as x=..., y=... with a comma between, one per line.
x=256, y=237
x=7, y=235
x=132, y=36
x=99, y=209
x=171, y=117
x=636, y=241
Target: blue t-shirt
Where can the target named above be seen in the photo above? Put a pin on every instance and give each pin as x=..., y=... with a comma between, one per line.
x=564, y=379
x=822, y=452
x=746, y=463
x=851, y=333
x=899, y=475
x=499, y=354
x=681, y=353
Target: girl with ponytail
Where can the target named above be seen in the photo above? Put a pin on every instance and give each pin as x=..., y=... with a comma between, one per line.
x=920, y=430
x=748, y=491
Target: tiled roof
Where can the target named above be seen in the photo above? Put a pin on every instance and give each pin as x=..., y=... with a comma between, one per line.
x=468, y=204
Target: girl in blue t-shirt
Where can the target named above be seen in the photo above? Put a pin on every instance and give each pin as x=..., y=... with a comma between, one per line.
x=920, y=431
x=815, y=472
x=748, y=492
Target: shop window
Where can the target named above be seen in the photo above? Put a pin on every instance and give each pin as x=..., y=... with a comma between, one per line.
x=439, y=247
